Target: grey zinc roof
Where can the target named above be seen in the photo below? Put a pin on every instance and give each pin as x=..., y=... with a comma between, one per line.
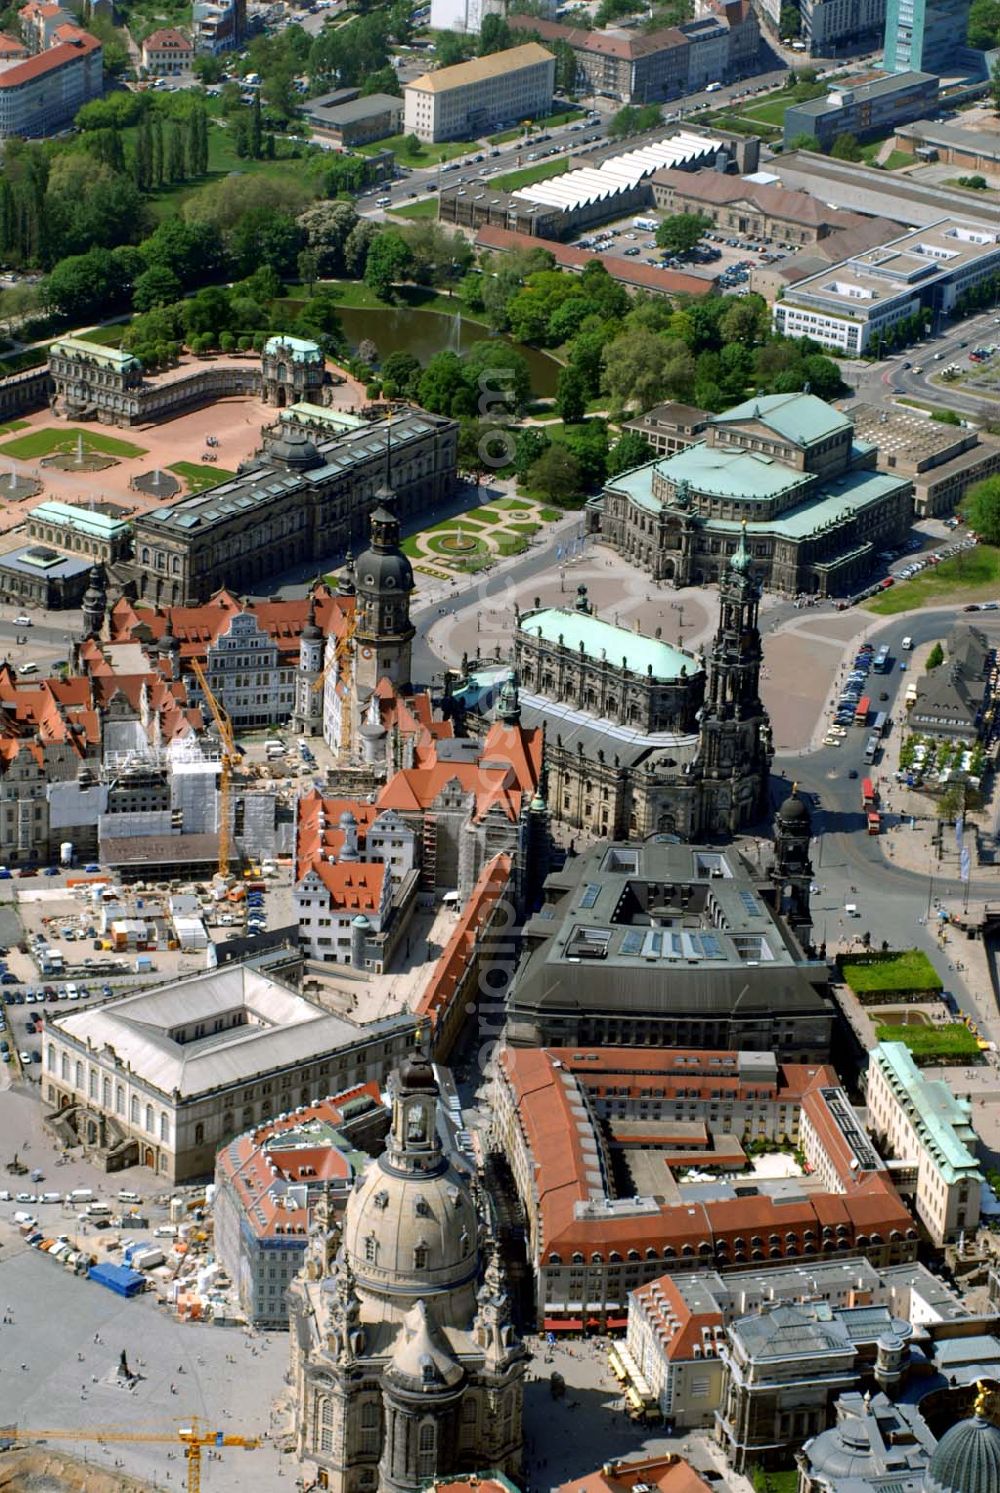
x=792, y=1332
x=288, y=1030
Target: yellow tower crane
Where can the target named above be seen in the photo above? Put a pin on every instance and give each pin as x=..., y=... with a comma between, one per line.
x=230, y=759
x=193, y=1437
x=332, y=665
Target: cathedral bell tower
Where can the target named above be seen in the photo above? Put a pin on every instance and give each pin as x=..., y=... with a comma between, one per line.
x=792, y=870
x=383, y=579
x=735, y=748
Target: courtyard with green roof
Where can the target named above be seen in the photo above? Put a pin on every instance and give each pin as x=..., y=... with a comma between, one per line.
x=476, y=539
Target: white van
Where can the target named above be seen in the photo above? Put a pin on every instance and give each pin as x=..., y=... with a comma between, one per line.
x=96, y=1210
x=906, y=644
x=274, y=745
x=80, y=1195
x=125, y=1196
x=851, y=908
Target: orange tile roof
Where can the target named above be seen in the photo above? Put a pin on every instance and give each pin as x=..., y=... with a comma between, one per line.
x=504, y=777
x=543, y=1088
x=354, y=886
x=197, y=627
x=669, y=1474
x=61, y=55
x=441, y=988
x=318, y=833
x=246, y=1164
x=667, y=1311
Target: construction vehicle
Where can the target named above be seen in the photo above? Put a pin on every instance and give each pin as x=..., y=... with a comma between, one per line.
x=341, y=651
x=230, y=760
x=193, y=1437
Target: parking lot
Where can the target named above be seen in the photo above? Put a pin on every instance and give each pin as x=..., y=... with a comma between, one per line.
x=727, y=258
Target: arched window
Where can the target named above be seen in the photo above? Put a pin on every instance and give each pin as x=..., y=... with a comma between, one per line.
x=149, y=1119
x=78, y=1071
x=106, y=1093
x=420, y=1257
x=324, y=1424
x=164, y=1128
x=426, y=1453
x=199, y=1134
x=133, y=1110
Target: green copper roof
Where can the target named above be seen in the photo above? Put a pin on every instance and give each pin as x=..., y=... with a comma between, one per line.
x=833, y=502
x=83, y=519
x=714, y=470
x=802, y=418
x=106, y=357
x=604, y=639
x=298, y=349
x=942, y=1122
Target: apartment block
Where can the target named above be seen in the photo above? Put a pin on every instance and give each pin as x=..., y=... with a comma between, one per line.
x=41, y=96
x=865, y=106
x=470, y=99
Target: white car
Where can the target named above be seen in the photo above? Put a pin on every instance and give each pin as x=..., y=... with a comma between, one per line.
x=22, y=621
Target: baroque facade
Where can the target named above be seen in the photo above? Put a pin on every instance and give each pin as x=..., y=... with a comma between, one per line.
x=788, y=467
x=302, y=501
x=662, y=742
x=404, y=1363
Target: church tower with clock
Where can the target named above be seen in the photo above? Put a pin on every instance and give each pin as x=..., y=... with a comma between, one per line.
x=383, y=579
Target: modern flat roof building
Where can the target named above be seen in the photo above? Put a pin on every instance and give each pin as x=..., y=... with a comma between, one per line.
x=853, y=306
x=868, y=105
x=924, y=35
x=943, y=461
x=167, y=1076
x=669, y=944
x=470, y=99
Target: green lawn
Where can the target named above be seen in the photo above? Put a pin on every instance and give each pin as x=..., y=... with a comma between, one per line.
x=770, y=111
x=512, y=180
x=106, y=336
x=48, y=442
x=222, y=159
x=966, y=571
x=488, y=515
x=11, y=426
x=568, y=116
x=550, y=515
x=199, y=475
x=424, y=209
x=509, y=503
x=416, y=297
x=909, y=970
x=896, y=160
x=427, y=155
x=953, y=1041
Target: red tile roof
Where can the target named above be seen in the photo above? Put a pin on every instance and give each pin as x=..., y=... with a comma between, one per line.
x=443, y=985
x=600, y=43
x=628, y=271
x=168, y=38
x=669, y=1474
x=61, y=55
x=678, y=1327
x=354, y=886
x=543, y=1087
x=318, y=833
x=246, y=1163
x=197, y=627
x=11, y=46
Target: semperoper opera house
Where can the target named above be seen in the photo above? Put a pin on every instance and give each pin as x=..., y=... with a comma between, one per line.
x=816, y=509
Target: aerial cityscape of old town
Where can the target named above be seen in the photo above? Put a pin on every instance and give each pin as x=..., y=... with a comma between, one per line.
x=499, y=735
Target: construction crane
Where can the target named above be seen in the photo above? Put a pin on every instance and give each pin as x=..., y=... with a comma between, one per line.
x=230, y=759
x=340, y=652
x=193, y=1438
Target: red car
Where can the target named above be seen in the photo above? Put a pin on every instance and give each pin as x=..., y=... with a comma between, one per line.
x=890, y=580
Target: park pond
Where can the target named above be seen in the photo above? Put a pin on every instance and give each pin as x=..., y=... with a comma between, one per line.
x=424, y=333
